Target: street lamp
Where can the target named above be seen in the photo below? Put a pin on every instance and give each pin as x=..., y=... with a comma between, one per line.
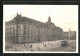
x=69, y=35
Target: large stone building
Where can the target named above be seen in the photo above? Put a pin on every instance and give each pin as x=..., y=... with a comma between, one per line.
x=26, y=30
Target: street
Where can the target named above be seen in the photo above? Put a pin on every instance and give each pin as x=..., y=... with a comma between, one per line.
x=64, y=49
x=52, y=46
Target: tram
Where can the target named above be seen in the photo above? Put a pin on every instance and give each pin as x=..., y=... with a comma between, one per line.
x=64, y=43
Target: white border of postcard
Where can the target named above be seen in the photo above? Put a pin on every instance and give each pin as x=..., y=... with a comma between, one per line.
x=35, y=51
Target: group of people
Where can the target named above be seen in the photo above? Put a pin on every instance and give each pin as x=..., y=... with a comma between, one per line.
x=45, y=45
x=50, y=44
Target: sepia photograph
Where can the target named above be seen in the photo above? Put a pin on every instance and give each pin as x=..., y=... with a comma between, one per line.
x=40, y=28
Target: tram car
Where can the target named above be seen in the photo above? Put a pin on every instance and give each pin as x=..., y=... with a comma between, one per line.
x=64, y=43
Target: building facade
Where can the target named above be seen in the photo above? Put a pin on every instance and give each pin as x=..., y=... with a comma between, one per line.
x=26, y=30
x=71, y=36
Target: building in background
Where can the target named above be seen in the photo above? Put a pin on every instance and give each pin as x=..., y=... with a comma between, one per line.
x=65, y=35
x=72, y=35
x=26, y=30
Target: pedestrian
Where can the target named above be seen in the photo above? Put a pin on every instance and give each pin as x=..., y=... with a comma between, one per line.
x=45, y=45
x=30, y=46
x=24, y=44
x=11, y=44
x=31, y=49
x=72, y=49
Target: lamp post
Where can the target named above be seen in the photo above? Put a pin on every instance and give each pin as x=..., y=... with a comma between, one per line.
x=69, y=35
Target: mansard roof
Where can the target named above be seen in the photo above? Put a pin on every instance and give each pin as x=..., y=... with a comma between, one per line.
x=21, y=20
x=58, y=28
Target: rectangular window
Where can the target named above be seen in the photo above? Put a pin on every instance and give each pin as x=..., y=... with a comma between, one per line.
x=19, y=29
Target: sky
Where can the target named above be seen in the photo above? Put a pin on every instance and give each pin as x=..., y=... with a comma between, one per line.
x=63, y=16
